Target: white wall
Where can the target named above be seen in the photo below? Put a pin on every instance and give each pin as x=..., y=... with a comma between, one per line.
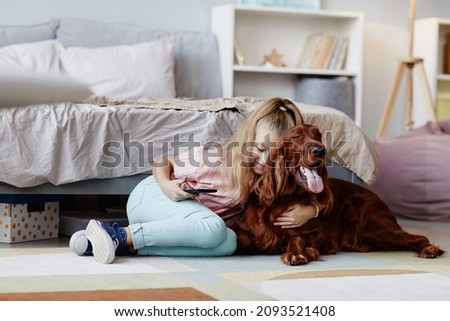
x=386, y=33
x=167, y=14
x=386, y=40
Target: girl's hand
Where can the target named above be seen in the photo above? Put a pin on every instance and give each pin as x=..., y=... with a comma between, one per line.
x=296, y=216
x=173, y=190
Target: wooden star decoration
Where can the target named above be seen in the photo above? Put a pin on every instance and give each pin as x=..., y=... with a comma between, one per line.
x=274, y=59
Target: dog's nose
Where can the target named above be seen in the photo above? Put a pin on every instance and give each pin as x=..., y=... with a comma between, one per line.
x=318, y=151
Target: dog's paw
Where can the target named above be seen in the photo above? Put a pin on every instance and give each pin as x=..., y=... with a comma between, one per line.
x=430, y=252
x=291, y=258
x=312, y=253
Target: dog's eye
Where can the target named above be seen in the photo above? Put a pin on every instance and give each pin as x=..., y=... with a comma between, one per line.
x=316, y=132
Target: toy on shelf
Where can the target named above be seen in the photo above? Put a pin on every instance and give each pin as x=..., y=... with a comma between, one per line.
x=273, y=59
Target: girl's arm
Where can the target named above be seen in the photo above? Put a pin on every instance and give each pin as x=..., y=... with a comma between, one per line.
x=162, y=170
x=298, y=215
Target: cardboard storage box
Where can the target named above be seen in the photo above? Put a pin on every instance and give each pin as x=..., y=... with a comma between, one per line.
x=28, y=218
x=73, y=221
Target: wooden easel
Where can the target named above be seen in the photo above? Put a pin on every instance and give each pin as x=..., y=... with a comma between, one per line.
x=408, y=64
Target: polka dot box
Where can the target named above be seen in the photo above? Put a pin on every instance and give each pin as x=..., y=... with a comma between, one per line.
x=28, y=218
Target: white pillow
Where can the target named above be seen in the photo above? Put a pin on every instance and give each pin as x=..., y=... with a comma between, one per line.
x=30, y=74
x=124, y=72
x=31, y=58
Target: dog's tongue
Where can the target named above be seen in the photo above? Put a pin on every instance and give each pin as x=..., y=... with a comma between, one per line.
x=313, y=179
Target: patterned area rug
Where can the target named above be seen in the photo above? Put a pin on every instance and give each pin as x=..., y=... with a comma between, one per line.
x=174, y=294
x=49, y=271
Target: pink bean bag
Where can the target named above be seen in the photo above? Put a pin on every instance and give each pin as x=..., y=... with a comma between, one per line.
x=414, y=172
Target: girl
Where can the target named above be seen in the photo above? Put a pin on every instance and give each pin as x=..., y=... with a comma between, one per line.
x=167, y=220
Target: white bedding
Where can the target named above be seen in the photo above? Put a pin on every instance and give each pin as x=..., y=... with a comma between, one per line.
x=65, y=142
x=346, y=143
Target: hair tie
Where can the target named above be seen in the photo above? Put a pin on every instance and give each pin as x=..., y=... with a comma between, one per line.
x=289, y=111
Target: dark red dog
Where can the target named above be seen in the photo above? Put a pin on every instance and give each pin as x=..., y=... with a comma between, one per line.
x=354, y=218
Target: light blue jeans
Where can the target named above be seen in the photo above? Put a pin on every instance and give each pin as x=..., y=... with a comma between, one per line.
x=163, y=227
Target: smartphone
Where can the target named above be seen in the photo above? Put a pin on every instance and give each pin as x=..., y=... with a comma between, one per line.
x=200, y=190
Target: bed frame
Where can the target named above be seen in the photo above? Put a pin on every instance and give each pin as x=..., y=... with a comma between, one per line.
x=124, y=185
x=197, y=75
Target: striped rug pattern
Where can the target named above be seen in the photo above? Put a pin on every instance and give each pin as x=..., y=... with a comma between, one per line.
x=47, y=270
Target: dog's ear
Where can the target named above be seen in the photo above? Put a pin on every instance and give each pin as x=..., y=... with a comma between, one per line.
x=326, y=198
x=273, y=182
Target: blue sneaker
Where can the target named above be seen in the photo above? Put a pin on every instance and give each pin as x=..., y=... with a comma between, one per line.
x=80, y=245
x=106, y=240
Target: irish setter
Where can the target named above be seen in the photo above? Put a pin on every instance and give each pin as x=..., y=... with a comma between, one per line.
x=353, y=218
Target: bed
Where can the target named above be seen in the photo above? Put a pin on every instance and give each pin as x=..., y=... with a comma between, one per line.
x=150, y=92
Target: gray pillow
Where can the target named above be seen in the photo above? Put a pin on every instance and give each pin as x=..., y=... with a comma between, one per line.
x=10, y=35
x=197, y=69
x=334, y=92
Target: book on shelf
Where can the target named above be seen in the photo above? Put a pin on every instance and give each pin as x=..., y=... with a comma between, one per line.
x=446, y=55
x=327, y=51
x=324, y=51
x=310, y=50
x=335, y=53
x=341, y=54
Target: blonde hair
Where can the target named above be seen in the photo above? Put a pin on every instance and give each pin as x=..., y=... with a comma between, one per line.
x=280, y=115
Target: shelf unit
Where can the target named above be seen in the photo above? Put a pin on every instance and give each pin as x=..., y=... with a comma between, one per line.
x=258, y=30
x=429, y=40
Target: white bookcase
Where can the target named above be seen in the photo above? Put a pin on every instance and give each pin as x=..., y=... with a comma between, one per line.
x=258, y=30
x=429, y=40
